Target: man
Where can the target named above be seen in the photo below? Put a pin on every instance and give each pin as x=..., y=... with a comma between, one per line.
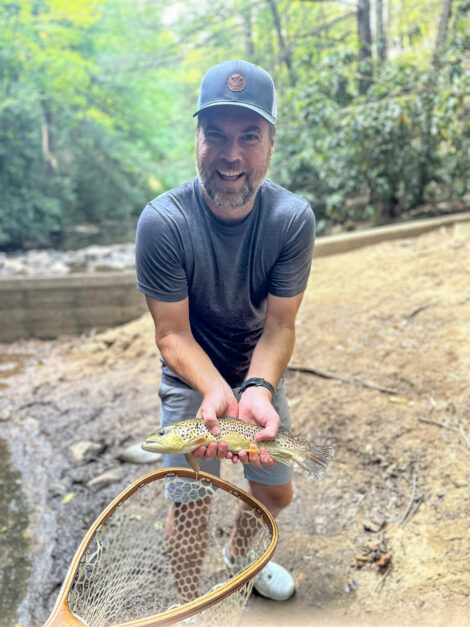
x=223, y=261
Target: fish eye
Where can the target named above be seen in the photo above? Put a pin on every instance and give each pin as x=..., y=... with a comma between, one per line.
x=161, y=432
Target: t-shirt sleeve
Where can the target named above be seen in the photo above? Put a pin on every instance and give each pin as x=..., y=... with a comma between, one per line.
x=290, y=273
x=159, y=257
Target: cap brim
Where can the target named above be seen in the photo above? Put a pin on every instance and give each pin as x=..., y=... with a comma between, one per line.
x=267, y=116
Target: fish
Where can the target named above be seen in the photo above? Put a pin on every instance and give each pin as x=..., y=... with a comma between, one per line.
x=185, y=436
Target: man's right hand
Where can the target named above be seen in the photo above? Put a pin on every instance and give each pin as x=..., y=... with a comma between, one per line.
x=217, y=403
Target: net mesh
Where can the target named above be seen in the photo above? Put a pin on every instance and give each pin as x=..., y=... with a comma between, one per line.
x=169, y=543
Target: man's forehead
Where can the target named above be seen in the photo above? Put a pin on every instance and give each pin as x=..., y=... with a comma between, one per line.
x=232, y=116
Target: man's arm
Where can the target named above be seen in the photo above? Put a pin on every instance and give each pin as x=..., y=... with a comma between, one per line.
x=269, y=361
x=186, y=358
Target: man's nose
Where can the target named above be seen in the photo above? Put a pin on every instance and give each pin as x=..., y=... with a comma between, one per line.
x=230, y=150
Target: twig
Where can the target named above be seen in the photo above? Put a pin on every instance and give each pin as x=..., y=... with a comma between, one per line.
x=317, y=373
x=403, y=519
x=465, y=436
x=380, y=584
x=415, y=312
x=436, y=424
x=358, y=379
x=374, y=386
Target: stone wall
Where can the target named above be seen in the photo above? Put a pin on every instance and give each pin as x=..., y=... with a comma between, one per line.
x=48, y=307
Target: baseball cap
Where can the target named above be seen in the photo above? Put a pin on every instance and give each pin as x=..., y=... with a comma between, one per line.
x=239, y=83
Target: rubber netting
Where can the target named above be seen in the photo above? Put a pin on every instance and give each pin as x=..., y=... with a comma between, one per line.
x=166, y=546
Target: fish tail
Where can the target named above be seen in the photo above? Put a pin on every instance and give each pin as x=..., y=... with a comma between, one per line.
x=314, y=458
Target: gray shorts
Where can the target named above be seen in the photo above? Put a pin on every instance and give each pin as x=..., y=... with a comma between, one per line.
x=182, y=403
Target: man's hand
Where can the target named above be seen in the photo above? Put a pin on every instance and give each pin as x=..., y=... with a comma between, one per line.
x=255, y=407
x=218, y=403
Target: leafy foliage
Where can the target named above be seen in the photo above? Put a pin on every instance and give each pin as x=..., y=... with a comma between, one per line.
x=96, y=100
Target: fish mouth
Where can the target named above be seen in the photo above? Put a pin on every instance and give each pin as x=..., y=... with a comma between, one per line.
x=153, y=446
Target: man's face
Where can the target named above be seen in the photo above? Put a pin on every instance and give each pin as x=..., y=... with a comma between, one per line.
x=233, y=150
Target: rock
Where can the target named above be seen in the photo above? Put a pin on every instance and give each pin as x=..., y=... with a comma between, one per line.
x=6, y=413
x=115, y=257
x=135, y=454
x=80, y=450
x=374, y=523
x=108, y=477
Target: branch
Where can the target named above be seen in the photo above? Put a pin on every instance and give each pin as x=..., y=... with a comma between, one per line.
x=326, y=375
x=416, y=500
x=349, y=4
x=323, y=27
x=436, y=424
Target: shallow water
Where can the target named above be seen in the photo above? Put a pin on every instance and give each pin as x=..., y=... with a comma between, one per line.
x=14, y=540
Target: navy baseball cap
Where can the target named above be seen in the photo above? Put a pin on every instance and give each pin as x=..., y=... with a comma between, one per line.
x=239, y=83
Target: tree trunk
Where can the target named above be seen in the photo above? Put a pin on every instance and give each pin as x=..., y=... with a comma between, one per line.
x=380, y=37
x=248, y=31
x=446, y=7
x=365, y=45
x=50, y=160
x=427, y=138
x=285, y=52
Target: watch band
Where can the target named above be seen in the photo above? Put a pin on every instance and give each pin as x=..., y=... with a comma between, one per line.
x=256, y=382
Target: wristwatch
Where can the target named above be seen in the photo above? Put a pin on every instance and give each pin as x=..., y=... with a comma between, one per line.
x=256, y=382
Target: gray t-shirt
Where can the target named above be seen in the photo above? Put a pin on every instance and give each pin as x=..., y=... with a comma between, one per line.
x=225, y=269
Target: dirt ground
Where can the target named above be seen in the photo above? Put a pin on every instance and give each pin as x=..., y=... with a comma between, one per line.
x=381, y=370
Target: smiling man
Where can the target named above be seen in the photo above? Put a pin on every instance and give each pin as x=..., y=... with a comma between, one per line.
x=223, y=261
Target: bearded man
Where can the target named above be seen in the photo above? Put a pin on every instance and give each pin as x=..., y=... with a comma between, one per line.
x=223, y=261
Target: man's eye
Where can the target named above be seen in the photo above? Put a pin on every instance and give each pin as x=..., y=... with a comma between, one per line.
x=214, y=136
x=250, y=138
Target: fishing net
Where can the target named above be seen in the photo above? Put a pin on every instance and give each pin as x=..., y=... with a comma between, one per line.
x=168, y=551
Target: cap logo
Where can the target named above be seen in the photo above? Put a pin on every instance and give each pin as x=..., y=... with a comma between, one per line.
x=236, y=82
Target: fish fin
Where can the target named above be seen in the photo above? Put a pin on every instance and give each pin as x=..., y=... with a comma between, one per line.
x=199, y=441
x=193, y=462
x=253, y=448
x=314, y=458
x=283, y=457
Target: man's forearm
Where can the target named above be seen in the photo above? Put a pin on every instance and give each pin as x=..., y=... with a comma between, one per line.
x=272, y=354
x=187, y=359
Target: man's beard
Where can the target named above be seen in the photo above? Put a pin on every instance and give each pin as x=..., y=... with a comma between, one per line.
x=227, y=200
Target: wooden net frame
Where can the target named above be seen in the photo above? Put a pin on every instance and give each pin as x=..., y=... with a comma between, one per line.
x=138, y=565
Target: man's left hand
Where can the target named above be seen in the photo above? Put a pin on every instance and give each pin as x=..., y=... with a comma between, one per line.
x=255, y=407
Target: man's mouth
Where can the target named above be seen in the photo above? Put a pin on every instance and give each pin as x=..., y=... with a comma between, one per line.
x=229, y=175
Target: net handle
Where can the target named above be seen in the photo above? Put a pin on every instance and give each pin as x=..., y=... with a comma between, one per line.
x=61, y=616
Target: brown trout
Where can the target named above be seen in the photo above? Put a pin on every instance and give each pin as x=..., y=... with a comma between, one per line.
x=185, y=436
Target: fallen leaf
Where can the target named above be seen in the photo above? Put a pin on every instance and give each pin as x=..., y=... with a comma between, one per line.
x=67, y=498
x=398, y=399
x=361, y=560
x=383, y=560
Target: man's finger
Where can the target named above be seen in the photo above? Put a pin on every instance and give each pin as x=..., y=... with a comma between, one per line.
x=254, y=458
x=222, y=450
x=211, y=423
x=211, y=452
x=266, y=458
x=269, y=433
x=243, y=457
x=199, y=452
